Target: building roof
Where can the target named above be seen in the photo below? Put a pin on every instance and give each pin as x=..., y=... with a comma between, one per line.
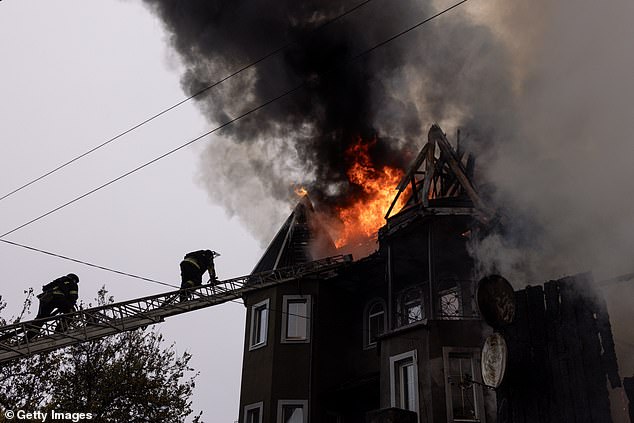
x=295, y=242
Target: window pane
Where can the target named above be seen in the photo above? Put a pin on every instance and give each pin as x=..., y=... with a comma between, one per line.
x=450, y=304
x=260, y=321
x=253, y=415
x=462, y=388
x=411, y=307
x=292, y=414
x=376, y=327
x=414, y=313
x=263, y=319
x=297, y=322
x=408, y=387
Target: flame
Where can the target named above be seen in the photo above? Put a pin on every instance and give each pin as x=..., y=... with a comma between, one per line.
x=363, y=218
x=301, y=191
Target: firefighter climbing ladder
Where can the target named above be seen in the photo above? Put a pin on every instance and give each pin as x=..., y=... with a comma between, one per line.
x=98, y=322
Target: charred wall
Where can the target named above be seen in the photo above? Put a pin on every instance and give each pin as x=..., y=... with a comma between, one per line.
x=561, y=356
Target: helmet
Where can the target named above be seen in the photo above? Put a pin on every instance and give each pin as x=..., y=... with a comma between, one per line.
x=73, y=277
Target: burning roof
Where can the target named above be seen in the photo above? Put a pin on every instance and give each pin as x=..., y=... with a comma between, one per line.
x=300, y=239
x=439, y=184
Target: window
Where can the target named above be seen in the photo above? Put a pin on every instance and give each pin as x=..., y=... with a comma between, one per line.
x=296, y=318
x=374, y=322
x=253, y=413
x=411, y=306
x=259, y=324
x=404, y=381
x=464, y=397
x=450, y=304
x=292, y=411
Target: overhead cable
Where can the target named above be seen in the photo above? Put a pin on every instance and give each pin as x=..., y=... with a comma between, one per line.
x=87, y=263
x=124, y=273
x=243, y=115
x=185, y=100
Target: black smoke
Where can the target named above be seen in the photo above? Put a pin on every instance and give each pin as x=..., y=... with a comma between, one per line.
x=451, y=70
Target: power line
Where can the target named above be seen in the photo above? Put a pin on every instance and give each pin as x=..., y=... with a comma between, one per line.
x=185, y=100
x=121, y=273
x=156, y=159
x=124, y=273
x=87, y=263
x=249, y=112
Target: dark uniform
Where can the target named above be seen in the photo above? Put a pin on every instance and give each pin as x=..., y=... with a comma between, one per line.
x=61, y=294
x=193, y=266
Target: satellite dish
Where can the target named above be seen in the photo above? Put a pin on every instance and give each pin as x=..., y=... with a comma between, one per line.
x=493, y=360
x=496, y=300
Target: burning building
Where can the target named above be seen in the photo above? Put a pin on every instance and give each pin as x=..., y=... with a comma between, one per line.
x=378, y=334
x=397, y=335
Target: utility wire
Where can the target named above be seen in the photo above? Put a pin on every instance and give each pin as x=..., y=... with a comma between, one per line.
x=86, y=263
x=185, y=100
x=156, y=159
x=125, y=273
x=243, y=115
x=120, y=272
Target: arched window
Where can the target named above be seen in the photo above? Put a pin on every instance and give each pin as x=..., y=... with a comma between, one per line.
x=374, y=322
x=411, y=306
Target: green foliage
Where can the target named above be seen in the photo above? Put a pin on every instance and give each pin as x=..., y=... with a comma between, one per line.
x=129, y=377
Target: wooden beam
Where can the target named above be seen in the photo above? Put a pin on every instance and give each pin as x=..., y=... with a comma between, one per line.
x=436, y=134
x=429, y=170
x=413, y=168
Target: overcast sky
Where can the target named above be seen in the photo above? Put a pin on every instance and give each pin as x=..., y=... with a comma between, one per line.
x=74, y=74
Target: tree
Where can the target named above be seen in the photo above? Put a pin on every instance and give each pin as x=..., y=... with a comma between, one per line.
x=129, y=377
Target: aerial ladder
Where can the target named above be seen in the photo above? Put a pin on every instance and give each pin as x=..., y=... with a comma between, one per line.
x=17, y=340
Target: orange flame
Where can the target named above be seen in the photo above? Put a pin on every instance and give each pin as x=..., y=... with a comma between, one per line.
x=301, y=191
x=362, y=219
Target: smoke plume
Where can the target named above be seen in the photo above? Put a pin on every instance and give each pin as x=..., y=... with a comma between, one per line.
x=564, y=169
x=450, y=70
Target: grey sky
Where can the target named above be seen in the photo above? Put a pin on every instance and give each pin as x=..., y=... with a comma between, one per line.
x=74, y=74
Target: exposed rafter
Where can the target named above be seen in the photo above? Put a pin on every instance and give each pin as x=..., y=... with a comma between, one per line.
x=439, y=181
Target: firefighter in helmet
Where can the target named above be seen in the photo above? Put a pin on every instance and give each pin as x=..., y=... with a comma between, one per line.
x=60, y=295
x=193, y=266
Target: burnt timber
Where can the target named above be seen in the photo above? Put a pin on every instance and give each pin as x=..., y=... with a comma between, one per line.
x=561, y=355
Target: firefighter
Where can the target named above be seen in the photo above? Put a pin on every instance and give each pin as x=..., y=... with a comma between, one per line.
x=193, y=266
x=59, y=296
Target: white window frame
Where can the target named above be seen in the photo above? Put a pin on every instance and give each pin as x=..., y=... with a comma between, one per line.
x=367, y=342
x=247, y=408
x=254, y=309
x=394, y=363
x=285, y=301
x=282, y=403
x=474, y=353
